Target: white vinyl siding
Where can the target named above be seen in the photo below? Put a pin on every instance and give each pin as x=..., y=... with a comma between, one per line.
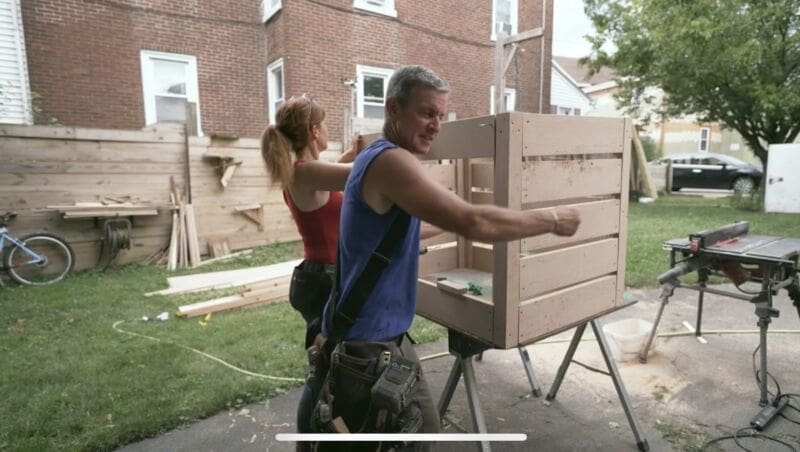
x=15, y=96
x=564, y=94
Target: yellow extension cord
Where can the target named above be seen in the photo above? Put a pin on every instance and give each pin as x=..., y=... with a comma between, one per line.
x=424, y=358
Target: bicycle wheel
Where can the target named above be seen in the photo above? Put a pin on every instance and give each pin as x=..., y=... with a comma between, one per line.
x=52, y=261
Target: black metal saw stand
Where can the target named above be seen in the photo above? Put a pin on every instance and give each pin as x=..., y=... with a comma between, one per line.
x=465, y=348
x=778, y=273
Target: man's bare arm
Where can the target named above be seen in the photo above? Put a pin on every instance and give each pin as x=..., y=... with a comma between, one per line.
x=399, y=178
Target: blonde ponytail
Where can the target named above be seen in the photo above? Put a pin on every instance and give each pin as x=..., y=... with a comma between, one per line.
x=277, y=152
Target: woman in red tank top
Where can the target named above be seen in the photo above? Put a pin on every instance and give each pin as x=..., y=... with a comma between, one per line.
x=312, y=191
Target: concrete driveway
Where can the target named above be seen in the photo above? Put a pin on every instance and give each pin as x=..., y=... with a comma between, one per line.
x=686, y=393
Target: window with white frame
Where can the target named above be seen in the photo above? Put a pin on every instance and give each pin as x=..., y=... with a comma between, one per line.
x=169, y=81
x=504, y=17
x=510, y=98
x=275, y=89
x=705, y=132
x=371, y=93
x=385, y=7
x=269, y=8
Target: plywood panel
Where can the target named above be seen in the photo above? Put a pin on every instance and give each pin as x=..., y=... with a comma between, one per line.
x=564, y=179
x=482, y=175
x=467, y=138
x=482, y=258
x=444, y=174
x=462, y=313
x=553, y=270
x=438, y=261
x=445, y=237
x=598, y=219
x=547, y=315
x=562, y=135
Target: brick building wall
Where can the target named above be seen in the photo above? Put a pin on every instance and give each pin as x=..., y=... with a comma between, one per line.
x=84, y=59
x=323, y=41
x=84, y=55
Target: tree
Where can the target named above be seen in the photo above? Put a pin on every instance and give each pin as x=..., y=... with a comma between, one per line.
x=736, y=62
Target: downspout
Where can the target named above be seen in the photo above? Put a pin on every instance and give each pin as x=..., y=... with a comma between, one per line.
x=541, y=56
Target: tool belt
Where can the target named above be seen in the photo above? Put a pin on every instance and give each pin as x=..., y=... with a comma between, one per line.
x=367, y=388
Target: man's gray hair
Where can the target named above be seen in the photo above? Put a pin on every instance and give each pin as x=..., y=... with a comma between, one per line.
x=406, y=78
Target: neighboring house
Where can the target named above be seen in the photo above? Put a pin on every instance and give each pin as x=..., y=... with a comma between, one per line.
x=676, y=135
x=15, y=95
x=127, y=63
x=566, y=96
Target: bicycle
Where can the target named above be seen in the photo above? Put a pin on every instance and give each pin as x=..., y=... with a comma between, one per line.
x=35, y=259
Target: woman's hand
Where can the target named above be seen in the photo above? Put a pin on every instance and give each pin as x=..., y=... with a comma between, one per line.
x=356, y=145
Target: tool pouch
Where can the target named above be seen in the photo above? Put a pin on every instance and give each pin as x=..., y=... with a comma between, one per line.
x=369, y=386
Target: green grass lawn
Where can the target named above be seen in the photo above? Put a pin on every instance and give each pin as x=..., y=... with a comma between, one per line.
x=70, y=381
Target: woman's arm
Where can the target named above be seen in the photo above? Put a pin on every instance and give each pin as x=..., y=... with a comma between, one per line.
x=321, y=175
x=356, y=145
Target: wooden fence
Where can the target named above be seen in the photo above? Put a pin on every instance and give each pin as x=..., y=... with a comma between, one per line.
x=42, y=166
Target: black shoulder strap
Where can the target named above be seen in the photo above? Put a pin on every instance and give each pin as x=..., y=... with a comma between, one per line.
x=345, y=316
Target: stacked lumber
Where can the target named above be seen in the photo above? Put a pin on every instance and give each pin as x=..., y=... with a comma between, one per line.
x=260, y=285
x=184, y=248
x=256, y=294
x=108, y=206
x=201, y=282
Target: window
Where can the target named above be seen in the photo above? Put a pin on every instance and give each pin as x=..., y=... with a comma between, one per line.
x=504, y=17
x=704, y=134
x=511, y=99
x=275, y=89
x=371, y=94
x=269, y=8
x=169, y=81
x=385, y=7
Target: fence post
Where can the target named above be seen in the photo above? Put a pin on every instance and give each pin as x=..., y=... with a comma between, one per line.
x=191, y=131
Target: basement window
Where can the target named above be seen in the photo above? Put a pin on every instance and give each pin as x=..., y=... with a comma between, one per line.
x=385, y=7
x=371, y=95
x=169, y=82
x=269, y=8
x=705, y=132
x=510, y=98
x=504, y=17
x=275, y=87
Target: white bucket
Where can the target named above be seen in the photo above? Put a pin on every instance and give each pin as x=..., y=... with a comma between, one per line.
x=627, y=337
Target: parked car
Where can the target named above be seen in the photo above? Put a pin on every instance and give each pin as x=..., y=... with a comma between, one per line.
x=710, y=170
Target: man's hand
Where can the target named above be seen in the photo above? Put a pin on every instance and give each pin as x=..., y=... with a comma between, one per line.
x=566, y=221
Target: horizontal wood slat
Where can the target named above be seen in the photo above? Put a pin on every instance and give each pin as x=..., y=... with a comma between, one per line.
x=551, y=313
x=563, y=179
x=598, y=219
x=456, y=311
x=553, y=270
x=563, y=135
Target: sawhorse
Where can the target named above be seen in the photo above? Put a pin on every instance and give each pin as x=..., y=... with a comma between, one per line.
x=465, y=348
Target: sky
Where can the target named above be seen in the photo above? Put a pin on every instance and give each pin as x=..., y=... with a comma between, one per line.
x=570, y=24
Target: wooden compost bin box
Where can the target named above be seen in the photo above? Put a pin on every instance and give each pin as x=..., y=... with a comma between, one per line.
x=539, y=286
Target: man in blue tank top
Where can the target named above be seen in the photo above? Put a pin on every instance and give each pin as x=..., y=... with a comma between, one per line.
x=387, y=178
